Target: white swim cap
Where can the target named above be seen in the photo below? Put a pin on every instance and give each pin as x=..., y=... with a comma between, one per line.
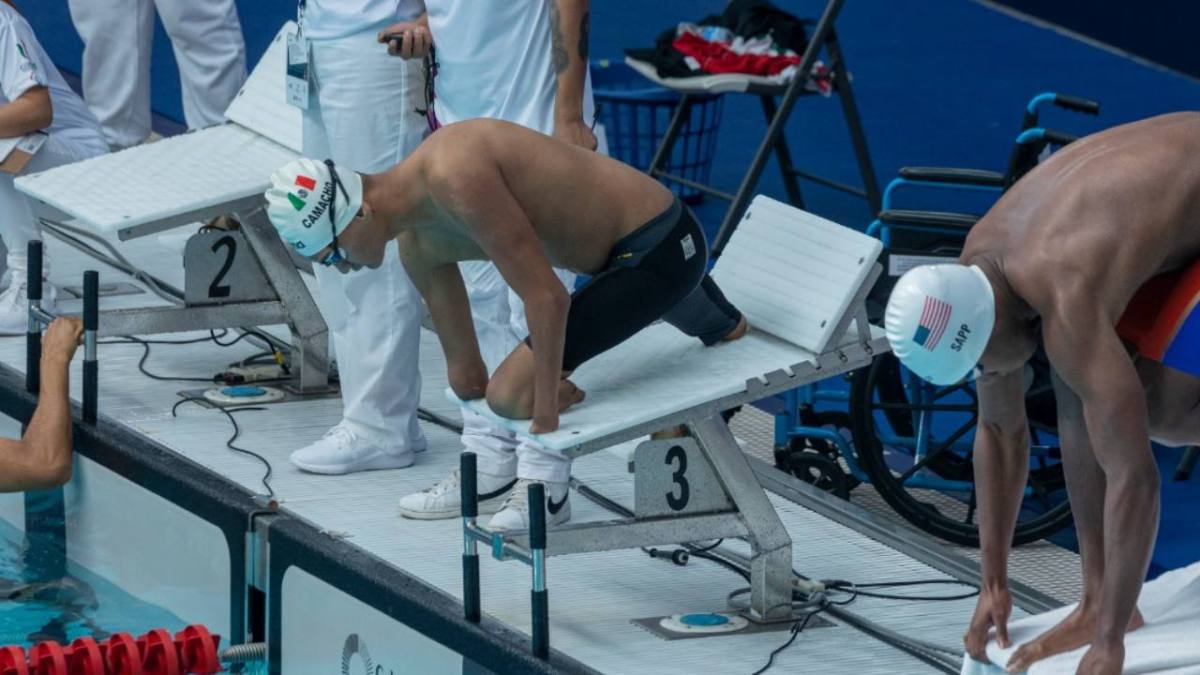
x=299, y=198
x=939, y=319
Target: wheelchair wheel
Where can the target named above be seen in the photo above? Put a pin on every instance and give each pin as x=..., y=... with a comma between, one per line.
x=915, y=442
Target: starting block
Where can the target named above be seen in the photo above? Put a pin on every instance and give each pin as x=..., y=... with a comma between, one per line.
x=235, y=278
x=802, y=282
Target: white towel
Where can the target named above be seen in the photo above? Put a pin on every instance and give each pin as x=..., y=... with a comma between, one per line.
x=1169, y=643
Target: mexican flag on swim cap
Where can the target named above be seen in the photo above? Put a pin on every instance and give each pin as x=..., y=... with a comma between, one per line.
x=939, y=319
x=299, y=198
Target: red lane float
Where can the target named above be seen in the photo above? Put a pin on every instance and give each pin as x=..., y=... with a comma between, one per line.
x=48, y=658
x=122, y=656
x=84, y=657
x=12, y=661
x=159, y=655
x=198, y=650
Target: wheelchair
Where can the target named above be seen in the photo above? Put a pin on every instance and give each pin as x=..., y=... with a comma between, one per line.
x=911, y=440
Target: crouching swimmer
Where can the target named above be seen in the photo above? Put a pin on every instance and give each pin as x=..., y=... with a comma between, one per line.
x=1058, y=260
x=492, y=190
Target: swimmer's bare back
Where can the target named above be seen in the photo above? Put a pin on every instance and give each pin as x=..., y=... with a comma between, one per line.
x=1099, y=217
x=578, y=202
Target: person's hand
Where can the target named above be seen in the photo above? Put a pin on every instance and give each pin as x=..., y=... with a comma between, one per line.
x=468, y=383
x=991, y=609
x=414, y=45
x=544, y=424
x=575, y=132
x=1102, y=660
x=62, y=338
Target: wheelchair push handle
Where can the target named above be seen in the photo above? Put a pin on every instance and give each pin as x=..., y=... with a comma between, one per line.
x=1040, y=136
x=1077, y=104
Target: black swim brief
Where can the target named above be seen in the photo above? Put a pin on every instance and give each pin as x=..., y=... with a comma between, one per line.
x=658, y=271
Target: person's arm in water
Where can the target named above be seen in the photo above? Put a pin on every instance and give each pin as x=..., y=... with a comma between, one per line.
x=1001, y=469
x=416, y=39
x=569, y=54
x=42, y=458
x=27, y=113
x=472, y=188
x=1089, y=357
x=441, y=285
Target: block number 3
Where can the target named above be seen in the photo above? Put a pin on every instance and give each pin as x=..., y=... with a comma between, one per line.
x=676, y=455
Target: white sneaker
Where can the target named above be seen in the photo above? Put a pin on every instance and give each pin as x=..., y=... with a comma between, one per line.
x=340, y=451
x=443, y=499
x=514, y=513
x=14, y=307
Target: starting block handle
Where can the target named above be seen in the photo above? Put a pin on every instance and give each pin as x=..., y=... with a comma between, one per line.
x=33, y=331
x=91, y=326
x=539, y=600
x=469, y=499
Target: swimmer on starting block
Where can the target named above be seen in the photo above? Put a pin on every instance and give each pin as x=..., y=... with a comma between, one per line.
x=41, y=460
x=1059, y=258
x=491, y=190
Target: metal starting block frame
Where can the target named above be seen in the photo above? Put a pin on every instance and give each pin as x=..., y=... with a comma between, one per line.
x=245, y=277
x=702, y=487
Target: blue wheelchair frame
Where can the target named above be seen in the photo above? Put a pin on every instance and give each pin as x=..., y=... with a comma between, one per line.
x=788, y=424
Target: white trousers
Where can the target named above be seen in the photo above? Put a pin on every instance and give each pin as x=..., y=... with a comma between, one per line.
x=18, y=213
x=362, y=114
x=117, y=36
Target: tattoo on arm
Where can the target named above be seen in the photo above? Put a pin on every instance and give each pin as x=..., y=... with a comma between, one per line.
x=558, y=52
x=583, y=37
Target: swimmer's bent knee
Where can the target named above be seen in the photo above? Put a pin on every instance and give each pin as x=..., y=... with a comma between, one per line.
x=507, y=399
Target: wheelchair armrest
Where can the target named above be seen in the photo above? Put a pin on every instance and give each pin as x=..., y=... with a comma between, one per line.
x=955, y=176
x=928, y=218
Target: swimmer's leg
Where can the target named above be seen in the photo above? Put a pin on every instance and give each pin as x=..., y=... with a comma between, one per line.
x=706, y=314
x=1172, y=402
x=611, y=308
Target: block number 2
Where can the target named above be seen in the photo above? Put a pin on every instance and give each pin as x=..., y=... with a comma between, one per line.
x=677, y=455
x=216, y=289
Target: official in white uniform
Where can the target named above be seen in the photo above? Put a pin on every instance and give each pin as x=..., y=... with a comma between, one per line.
x=33, y=97
x=524, y=61
x=365, y=111
x=117, y=37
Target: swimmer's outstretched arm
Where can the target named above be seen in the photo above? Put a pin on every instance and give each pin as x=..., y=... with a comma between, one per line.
x=1089, y=357
x=473, y=189
x=1001, y=469
x=441, y=285
x=42, y=458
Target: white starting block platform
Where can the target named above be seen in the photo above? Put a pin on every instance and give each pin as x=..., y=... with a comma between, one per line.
x=801, y=282
x=240, y=278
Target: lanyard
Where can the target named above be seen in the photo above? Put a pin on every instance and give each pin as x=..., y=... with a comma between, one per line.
x=300, y=7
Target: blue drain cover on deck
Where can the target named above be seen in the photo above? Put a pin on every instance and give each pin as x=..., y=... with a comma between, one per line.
x=243, y=391
x=703, y=619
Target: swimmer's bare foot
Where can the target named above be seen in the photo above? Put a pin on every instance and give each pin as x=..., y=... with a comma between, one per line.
x=569, y=394
x=1070, y=634
x=739, y=331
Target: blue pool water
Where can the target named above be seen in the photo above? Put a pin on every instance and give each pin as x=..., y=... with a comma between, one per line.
x=37, y=604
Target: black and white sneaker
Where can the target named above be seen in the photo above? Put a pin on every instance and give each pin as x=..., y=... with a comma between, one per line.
x=514, y=513
x=443, y=499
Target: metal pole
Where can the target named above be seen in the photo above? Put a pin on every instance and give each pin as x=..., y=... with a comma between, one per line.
x=744, y=192
x=33, y=334
x=537, y=546
x=470, y=511
x=91, y=324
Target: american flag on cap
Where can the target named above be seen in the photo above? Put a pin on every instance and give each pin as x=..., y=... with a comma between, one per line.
x=932, y=325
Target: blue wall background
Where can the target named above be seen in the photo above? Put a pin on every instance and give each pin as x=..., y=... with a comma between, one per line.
x=1163, y=31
